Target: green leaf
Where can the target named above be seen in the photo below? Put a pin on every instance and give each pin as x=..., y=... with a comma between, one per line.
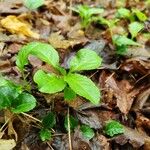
x=113, y=128
x=141, y=16
x=43, y=51
x=87, y=13
x=23, y=103
x=33, y=4
x=84, y=87
x=85, y=60
x=109, y=23
x=49, y=83
x=121, y=50
x=135, y=28
x=120, y=40
x=87, y=132
x=45, y=134
x=69, y=94
x=123, y=13
x=73, y=122
x=7, y=95
x=49, y=120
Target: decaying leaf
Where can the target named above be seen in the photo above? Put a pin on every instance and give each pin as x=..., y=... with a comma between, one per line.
x=7, y=144
x=122, y=90
x=90, y=118
x=15, y=26
x=58, y=41
x=133, y=137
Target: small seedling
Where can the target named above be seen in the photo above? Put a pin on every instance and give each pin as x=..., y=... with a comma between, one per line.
x=113, y=128
x=14, y=99
x=87, y=14
x=87, y=132
x=122, y=42
x=73, y=122
x=135, y=28
x=51, y=83
x=33, y=4
x=48, y=122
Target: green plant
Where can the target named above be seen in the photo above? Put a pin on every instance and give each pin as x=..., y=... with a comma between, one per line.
x=122, y=42
x=113, y=127
x=73, y=122
x=135, y=28
x=87, y=14
x=33, y=4
x=51, y=83
x=131, y=15
x=87, y=132
x=12, y=97
x=48, y=122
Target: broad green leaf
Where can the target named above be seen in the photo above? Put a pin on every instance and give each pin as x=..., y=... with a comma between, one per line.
x=87, y=132
x=123, y=13
x=135, y=28
x=49, y=83
x=84, y=87
x=140, y=15
x=45, y=134
x=7, y=95
x=113, y=128
x=73, y=122
x=33, y=4
x=69, y=94
x=23, y=103
x=85, y=60
x=120, y=40
x=43, y=51
x=49, y=120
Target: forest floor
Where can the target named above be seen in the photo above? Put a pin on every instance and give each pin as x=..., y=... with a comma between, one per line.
x=122, y=78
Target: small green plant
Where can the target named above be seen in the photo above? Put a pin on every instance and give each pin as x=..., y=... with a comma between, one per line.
x=12, y=97
x=135, y=28
x=73, y=122
x=122, y=42
x=133, y=15
x=48, y=123
x=33, y=4
x=87, y=132
x=51, y=83
x=113, y=128
x=87, y=14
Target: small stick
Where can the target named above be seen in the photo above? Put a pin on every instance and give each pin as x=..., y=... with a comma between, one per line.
x=69, y=132
x=33, y=118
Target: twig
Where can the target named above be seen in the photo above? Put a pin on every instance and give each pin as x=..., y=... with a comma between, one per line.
x=69, y=132
x=4, y=125
x=49, y=146
x=33, y=118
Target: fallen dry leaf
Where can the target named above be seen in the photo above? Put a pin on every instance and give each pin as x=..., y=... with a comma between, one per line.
x=7, y=144
x=133, y=137
x=58, y=41
x=15, y=26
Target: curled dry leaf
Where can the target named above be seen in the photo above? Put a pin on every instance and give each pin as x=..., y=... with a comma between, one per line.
x=89, y=118
x=141, y=99
x=122, y=90
x=12, y=7
x=7, y=144
x=133, y=137
x=15, y=26
x=58, y=41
